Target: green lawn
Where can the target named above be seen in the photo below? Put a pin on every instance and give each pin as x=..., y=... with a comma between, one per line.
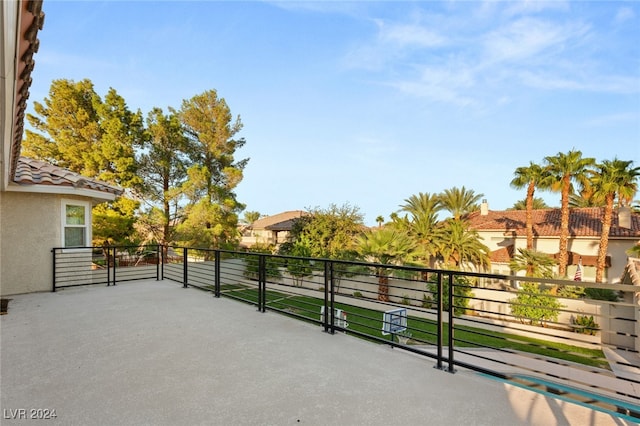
x=423, y=331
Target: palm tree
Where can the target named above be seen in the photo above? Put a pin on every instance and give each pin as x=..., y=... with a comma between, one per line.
x=611, y=179
x=251, y=216
x=563, y=170
x=530, y=177
x=458, y=245
x=459, y=201
x=423, y=210
x=538, y=204
x=537, y=264
x=380, y=220
x=385, y=246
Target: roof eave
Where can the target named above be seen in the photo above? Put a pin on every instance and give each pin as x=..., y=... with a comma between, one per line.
x=97, y=196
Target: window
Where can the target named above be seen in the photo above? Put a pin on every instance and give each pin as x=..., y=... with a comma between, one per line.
x=75, y=223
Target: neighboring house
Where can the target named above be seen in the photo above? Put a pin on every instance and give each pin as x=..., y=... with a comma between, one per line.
x=41, y=206
x=504, y=232
x=270, y=230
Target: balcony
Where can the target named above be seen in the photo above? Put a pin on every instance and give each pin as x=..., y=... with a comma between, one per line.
x=162, y=351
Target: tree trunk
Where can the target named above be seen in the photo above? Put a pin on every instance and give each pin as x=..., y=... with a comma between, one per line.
x=564, y=228
x=530, y=192
x=604, y=238
x=383, y=287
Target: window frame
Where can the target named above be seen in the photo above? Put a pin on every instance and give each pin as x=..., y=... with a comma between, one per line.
x=87, y=223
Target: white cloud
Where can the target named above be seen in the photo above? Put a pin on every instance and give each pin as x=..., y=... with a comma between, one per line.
x=624, y=14
x=527, y=38
x=528, y=7
x=408, y=35
x=585, y=82
x=443, y=84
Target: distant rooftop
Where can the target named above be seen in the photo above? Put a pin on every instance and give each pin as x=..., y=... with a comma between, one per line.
x=583, y=222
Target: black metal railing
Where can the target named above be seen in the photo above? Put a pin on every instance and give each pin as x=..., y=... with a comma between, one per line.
x=80, y=266
x=539, y=334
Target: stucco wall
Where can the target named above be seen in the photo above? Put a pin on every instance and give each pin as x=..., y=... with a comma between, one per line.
x=585, y=246
x=29, y=229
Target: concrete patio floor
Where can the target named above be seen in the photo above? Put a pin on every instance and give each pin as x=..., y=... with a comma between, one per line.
x=154, y=353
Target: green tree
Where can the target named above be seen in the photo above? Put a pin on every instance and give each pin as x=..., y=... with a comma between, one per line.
x=535, y=263
x=114, y=222
x=459, y=201
x=422, y=222
x=328, y=233
x=380, y=221
x=212, y=138
x=538, y=204
x=535, y=305
x=121, y=132
x=530, y=177
x=271, y=264
x=611, y=179
x=250, y=217
x=564, y=169
x=77, y=130
x=163, y=166
x=385, y=246
x=459, y=246
x=208, y=225
x=300, y=267
x=67, y=127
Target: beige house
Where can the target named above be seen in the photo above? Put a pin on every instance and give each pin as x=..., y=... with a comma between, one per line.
x=504, y=232
x=270, y=230
x=41, y=206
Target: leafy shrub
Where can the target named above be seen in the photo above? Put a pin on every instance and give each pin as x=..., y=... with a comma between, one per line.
x=601, y=294
x=461, y=294
x=535, y=305
x=357, y=294
x=427, y=301
x=585, y=325
x=272, y=265
x=570, y=291
x=405, y=299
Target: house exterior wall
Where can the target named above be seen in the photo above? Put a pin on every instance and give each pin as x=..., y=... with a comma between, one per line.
x=29, y=229
x=617, y=248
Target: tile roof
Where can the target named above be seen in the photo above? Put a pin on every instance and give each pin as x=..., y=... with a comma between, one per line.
x=31, y=21
x=278, y=222
x=583, y=222
x=35, y=172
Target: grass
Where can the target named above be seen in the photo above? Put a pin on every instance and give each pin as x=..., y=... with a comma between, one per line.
x=424, y=331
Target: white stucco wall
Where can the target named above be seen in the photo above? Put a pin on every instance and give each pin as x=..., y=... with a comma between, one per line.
x=29, y=229
x=582, y=245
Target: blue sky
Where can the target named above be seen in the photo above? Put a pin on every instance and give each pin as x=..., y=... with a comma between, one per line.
x=370, y=102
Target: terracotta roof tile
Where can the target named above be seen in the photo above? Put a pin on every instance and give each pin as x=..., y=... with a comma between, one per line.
x=583, y=222
x=35, y=172
x=31, y=21
x=502, y=255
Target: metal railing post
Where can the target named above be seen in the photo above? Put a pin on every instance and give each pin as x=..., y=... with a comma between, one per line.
x=54, y=270
x=216, y=277
x=262, y=283
x=451, y=368
x=184, y=268
x=332, y=302
x=439, y=330
x=327, y=283
x=114, y=266
x=163, y=258
x=158, y=260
